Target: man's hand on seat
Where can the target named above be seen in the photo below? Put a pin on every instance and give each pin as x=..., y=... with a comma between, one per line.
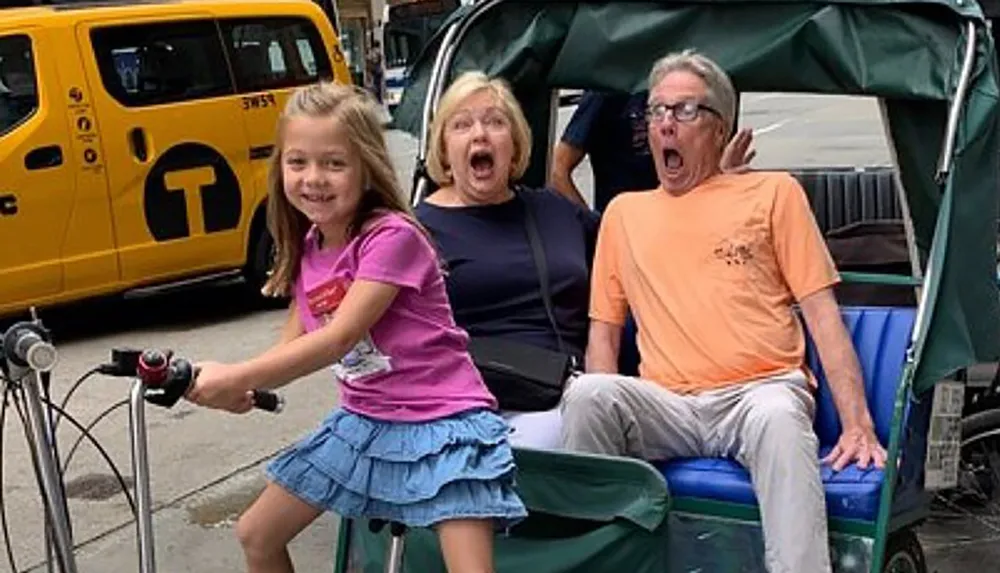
x=836, y=352
x=859, y=444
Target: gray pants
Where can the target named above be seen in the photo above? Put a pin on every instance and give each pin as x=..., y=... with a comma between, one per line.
x=765, y=425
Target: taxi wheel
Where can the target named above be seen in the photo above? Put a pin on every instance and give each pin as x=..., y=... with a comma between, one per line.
x=903, y=553
x=259, y=263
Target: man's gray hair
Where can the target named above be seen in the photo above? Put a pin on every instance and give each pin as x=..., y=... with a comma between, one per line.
x=721, y=94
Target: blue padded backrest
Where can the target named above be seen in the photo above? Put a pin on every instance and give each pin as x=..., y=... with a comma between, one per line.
x=881, y=336
x=628, y=351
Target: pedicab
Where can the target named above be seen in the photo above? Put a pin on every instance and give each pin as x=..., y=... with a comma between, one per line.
x=932, y=66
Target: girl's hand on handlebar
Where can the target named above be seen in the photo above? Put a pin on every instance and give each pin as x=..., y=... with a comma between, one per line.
x=220, y=386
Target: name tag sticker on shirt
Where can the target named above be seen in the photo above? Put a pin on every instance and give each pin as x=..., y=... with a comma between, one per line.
x=325, y=299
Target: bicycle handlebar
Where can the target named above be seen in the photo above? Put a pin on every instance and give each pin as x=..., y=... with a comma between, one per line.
x=168, y=378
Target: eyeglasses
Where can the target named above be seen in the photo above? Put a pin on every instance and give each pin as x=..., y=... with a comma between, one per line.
x=683, y=111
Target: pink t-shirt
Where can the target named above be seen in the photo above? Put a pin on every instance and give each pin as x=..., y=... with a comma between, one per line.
x=413, y=364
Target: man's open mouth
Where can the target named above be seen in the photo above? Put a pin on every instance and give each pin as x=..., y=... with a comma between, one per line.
x=672, y=158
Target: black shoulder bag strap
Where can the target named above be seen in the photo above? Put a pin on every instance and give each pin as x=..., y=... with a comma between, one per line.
x=538, y=253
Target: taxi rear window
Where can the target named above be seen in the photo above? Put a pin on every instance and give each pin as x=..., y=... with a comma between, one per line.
x=160, y=63
x=18, y=85
x=275, y=53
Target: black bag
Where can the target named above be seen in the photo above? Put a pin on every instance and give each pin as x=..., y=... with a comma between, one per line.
x=523, y=377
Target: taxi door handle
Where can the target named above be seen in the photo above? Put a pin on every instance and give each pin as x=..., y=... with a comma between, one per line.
x=43, y=158
x=137, y=142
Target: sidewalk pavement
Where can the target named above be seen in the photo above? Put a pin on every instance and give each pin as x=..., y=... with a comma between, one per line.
x=197, y=534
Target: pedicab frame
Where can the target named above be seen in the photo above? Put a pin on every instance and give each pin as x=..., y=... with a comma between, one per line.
x=931, y=64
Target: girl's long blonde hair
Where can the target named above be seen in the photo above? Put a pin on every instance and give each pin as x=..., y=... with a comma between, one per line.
x=355, y=111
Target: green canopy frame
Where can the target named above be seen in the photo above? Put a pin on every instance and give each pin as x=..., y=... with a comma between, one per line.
x=930, y=62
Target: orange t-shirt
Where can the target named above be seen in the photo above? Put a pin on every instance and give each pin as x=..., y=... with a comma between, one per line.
x=711, y=276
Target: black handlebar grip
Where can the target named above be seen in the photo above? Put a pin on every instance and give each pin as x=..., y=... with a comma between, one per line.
x=262, y=399
x=269, y=401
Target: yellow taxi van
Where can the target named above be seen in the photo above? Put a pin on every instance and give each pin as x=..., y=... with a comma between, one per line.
x=134, y=138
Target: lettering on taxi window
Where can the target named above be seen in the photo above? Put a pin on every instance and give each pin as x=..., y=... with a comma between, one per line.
x=191, y=190
x=258, y=101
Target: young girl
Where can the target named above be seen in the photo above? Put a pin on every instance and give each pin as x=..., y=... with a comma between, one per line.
x=416, y=439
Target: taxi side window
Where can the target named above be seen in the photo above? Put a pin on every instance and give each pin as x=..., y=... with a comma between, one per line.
x=275, y=53
x=152, y=64
x=18, y=85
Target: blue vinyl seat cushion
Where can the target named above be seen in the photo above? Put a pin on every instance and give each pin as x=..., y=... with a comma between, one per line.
x=881, y=336
x=851, y=493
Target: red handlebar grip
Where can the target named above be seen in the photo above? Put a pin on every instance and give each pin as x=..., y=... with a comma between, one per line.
x=153, y=367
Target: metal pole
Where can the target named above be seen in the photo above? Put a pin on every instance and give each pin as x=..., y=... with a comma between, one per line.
x=394, y=564
x=50, y=430
x=49, y=478
x=430, y=99
x=420, y=190
x=944, y=162
x=944, y=168
x=49, y=548
x=140, y=469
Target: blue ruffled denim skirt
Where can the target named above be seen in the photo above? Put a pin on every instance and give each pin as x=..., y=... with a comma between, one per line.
x=418, y=474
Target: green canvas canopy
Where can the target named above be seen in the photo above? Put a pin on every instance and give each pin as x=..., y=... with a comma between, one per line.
x=908, y=53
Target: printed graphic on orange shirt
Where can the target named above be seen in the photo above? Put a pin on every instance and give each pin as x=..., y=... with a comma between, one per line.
x=733, y=253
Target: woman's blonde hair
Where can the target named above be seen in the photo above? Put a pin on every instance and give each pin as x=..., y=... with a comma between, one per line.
x=464, y=86
x=356, y=113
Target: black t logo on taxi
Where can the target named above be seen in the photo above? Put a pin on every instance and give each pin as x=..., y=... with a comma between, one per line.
x=191, y=172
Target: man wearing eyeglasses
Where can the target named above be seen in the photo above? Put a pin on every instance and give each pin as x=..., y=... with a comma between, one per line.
x=611, y=129
x=710, y=264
